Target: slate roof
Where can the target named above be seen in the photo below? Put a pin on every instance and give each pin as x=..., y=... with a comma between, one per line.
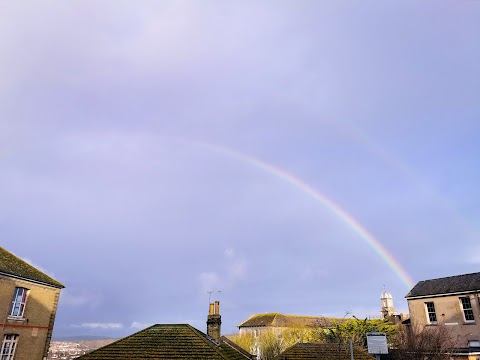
x=447, y=285
x=323, y=352
x=12, y=265
x=169, y=341
x=282, y=320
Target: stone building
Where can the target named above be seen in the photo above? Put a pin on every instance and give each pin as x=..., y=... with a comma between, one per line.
x=258, y=323
x=28, y=305
x=453, y=302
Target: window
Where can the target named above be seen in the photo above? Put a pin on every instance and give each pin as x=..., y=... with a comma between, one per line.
x=432, y=316
x=474, y=343
x=8, y=347
x=467, y=309
x=18, y=303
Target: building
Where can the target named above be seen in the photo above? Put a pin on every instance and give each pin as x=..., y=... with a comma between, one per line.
x=323, y=352
x=452, y=302
x=28, y=305
x=388, y=311
x=387, y=304
x=174, y=341
x=276, y=321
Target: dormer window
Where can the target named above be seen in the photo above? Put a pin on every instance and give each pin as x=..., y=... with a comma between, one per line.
x=18, y=302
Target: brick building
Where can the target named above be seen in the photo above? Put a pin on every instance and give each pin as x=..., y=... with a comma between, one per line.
x=28, y=304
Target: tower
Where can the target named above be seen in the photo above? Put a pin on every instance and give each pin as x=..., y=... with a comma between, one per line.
x=387, y=304
x=214, y=321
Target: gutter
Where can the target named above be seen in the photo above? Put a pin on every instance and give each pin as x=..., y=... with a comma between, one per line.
x=441, y=295
x=60, y=286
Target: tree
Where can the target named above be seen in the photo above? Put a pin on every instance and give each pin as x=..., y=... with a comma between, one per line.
x=245, y=341
x=423, y=343
x=272, y=342
x=355, y=330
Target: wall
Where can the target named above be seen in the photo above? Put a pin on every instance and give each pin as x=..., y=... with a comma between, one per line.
x=35, y=329
x=449, y=313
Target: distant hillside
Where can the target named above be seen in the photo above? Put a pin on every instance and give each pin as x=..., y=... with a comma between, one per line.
x=79, y=337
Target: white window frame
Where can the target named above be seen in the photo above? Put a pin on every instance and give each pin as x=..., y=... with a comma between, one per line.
x=7, y=351
x=18, y=303
x=467, y=309
x=429, y=313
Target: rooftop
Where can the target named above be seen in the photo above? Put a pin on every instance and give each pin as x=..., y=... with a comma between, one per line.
x=12, y=265
x=322, y=352
x=169, y=341
x=446, y=285
x=285, y=320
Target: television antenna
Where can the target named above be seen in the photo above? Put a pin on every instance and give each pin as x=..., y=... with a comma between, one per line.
x=210, y=292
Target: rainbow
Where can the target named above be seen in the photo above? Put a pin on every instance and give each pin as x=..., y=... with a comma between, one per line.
x=343, y=215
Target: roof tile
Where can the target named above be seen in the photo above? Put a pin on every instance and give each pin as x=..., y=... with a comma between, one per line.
x=446, y=285
x=167, y=341
x=304, y=351
x=14, y=266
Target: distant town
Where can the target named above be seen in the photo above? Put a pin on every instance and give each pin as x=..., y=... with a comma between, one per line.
x=72, y=349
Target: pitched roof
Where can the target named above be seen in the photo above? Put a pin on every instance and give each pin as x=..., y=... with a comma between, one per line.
x=12, y=265
x=283, y=320
x=446, y=285
x=168, y=341
x=323, y=352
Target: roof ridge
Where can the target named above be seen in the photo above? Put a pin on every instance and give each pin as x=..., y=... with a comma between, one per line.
x=304, y=316
x=274, y=321
x=451, y=276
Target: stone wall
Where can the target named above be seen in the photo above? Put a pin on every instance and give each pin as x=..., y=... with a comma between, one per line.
x=34, y=328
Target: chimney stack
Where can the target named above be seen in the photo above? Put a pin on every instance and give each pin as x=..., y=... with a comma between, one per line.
x=214, y=321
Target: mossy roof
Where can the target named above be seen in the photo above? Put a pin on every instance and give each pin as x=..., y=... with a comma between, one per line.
x=169, y=341
x=285, y=320
x=12, y=265
x=323, y=352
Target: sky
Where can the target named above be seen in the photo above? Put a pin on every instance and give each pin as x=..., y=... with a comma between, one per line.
x=291, y=156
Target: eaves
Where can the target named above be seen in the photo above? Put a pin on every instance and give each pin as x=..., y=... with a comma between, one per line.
x=31, y=280
x=443, y=295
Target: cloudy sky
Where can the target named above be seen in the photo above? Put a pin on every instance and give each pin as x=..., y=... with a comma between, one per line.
x=295, y=155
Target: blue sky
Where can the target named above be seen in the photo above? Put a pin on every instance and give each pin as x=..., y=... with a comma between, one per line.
x=118, y=122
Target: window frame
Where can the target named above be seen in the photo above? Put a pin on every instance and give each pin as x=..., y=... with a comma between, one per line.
x=431, y=313
x=465, y=309
x=8, y=345
x=17, y=310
